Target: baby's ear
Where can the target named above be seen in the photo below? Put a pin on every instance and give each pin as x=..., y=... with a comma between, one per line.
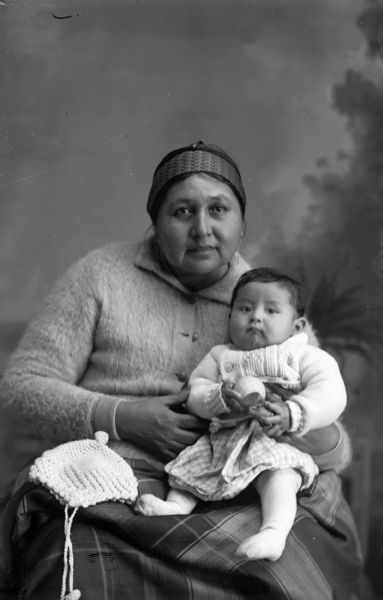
x=299, y=325
x=312, y=338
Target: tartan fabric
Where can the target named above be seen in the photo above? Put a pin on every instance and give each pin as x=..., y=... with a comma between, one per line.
x=123, y=556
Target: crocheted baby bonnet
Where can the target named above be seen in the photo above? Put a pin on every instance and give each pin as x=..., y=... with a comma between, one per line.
x=81, y=474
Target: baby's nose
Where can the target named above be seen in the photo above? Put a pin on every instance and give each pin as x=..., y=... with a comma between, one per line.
x=256, y=315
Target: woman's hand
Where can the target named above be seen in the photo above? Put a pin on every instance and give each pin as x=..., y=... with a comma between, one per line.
x=318, y=441
x=155, y=424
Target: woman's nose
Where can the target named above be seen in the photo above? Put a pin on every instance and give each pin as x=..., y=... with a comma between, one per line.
x=201, y=225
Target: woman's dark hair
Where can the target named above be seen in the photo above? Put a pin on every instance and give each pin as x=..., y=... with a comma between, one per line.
x=298, y=293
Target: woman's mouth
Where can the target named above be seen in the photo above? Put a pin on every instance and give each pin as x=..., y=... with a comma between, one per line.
x=202, y=249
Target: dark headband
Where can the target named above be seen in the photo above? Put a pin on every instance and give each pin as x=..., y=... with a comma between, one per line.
x=197, y=158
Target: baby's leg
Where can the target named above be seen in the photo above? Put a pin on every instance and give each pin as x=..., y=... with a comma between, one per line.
x=177, y=503
x=278, y=492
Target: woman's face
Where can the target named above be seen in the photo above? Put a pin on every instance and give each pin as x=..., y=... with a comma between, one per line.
x=198, y=229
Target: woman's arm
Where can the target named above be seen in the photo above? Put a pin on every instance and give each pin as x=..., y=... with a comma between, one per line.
x=330, y=447
x=156, y=425
x=40, y=384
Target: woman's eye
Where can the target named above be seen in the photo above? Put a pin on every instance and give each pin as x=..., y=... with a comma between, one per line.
x=182, y=211
x=219, y=209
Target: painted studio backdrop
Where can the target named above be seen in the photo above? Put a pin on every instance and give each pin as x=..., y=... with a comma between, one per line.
x=94, y=93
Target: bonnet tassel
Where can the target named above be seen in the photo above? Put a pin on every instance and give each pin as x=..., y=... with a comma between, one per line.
x=68, y=560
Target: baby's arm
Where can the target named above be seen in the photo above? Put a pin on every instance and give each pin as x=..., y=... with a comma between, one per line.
x=322, y=399
x=205, y=397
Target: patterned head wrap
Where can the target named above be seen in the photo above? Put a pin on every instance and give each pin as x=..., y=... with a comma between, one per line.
x=197, y=158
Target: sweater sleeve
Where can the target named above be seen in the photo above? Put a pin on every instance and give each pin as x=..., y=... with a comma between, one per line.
x=41, y=383
x=205, y=398
x=323, y=397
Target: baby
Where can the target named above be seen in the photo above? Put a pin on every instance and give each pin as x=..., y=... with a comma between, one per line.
x=268, y=345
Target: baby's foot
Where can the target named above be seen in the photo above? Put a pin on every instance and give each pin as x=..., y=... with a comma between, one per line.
x=151, y=506
x=268, y=544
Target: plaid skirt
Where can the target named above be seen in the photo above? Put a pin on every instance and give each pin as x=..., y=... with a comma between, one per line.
x=119, y=555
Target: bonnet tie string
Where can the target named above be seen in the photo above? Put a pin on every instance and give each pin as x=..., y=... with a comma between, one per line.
x=78, y=474
x=68, y=559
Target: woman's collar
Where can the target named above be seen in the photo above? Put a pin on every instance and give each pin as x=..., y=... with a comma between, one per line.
x=220, y=292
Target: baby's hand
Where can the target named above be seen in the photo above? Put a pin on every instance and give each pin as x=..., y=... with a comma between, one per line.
x=232, y=398
x=278, y=422
x=253, y=393
x=260, y=412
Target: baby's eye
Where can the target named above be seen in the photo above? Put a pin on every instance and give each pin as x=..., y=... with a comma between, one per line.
x=245, y=308
x=272, y=311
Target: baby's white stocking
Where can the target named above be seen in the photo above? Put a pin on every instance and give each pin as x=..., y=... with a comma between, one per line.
x=177, y=503
x=278, y=493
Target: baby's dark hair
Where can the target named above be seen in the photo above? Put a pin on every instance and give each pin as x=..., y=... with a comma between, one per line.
x=298, y=293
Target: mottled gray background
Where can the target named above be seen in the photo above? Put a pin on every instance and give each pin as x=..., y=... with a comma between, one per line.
x=89, y=104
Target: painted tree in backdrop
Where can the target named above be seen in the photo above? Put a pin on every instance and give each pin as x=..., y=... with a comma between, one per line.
x=343, y=230
x=341, y=246
x=346, y=216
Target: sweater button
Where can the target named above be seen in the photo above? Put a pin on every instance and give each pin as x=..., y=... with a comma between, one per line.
x=194, y=336
x=228, y=367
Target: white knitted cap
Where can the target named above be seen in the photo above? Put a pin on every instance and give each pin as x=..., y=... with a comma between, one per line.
x=80, y=474
x=85, y=472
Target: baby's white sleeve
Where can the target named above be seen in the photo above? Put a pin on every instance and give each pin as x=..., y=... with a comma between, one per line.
x=205, y=398
x=323, y=397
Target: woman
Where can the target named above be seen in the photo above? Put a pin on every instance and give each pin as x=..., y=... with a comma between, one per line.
x=111, y=349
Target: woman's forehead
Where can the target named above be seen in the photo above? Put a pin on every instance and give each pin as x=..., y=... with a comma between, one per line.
x=202, y=187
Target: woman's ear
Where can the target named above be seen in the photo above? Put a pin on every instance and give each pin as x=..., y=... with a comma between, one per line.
x=243, y=229
x=299, y=325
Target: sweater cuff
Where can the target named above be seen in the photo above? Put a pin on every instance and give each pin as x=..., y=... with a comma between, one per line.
x=296, y=416
x=215, y=401
x=103, y=416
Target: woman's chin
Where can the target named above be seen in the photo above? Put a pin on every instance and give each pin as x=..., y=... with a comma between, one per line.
x=202, y=274
x=204, y=263
x=202, y=260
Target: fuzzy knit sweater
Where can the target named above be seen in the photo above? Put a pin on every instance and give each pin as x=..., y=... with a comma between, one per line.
x=115, y=327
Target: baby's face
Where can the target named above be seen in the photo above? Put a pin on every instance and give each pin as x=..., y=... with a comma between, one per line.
x=262, y=315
